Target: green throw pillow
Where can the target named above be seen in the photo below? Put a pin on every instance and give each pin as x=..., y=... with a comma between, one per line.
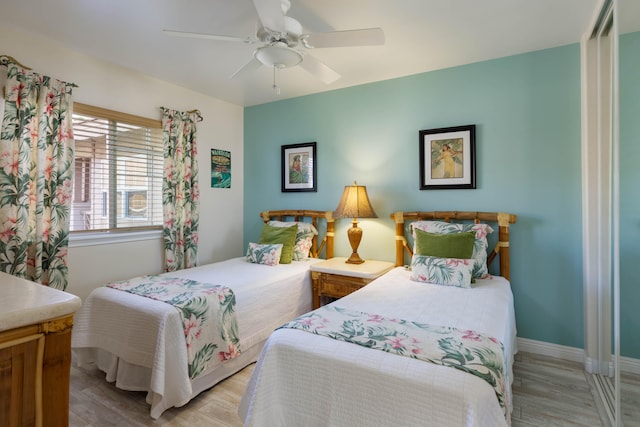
x=284, y=235
x=454, y=245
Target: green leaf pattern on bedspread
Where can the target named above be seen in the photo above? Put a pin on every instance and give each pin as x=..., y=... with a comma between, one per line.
x=468, y=351
x=207, y=312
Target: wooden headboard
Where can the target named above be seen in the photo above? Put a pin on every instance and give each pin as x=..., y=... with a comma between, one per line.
x=502, y=219
x=315, y=218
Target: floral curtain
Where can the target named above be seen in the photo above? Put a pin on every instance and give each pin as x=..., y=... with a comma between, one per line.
x=180, y=190
x=36, y=172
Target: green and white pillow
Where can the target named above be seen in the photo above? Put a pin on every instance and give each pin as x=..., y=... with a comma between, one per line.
x=442, y=271
x=284, y=235
x=264, y=254
x=480, y=244
x=304, y=237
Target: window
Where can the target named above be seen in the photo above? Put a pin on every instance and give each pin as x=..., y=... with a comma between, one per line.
x=118, y=171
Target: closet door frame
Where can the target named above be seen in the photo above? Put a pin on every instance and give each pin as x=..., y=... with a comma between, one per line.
x=600, y=195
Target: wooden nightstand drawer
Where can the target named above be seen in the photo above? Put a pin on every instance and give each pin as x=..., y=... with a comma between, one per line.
x=339, y=286
x=335, y=279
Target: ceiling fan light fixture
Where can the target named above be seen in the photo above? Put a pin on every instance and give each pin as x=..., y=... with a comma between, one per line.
x=278, y=55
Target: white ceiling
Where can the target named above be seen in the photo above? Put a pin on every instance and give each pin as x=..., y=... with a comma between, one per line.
x=421, y=35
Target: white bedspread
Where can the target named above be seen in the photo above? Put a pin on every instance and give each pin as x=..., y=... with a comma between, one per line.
x=139, y=342
x=305, y=379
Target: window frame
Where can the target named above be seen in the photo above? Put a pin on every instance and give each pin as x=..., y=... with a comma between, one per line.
x=79, y=238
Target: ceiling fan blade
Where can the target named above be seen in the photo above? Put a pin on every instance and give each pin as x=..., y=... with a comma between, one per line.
x=313, y=65
x=271, y=14
x=252, y=65
x=365, y=37
x=190, y=35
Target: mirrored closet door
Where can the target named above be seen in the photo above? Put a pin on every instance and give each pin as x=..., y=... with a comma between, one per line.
x=600, y=205
x=628, y=15
x=611, y=209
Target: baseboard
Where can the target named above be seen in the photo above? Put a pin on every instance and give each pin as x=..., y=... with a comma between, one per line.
x=627, y=364
x=593, y=366
x=551, y=350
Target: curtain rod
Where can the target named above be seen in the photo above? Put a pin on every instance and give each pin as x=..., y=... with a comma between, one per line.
x=188, y=112
x=9, y=58
x=198, y=114
x=15, y=61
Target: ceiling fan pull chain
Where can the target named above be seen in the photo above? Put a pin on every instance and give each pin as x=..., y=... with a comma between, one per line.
x=275, y=80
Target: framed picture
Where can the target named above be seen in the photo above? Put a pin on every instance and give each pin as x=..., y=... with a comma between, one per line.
x=299, y=167
x=220, y=168
x=448, y=158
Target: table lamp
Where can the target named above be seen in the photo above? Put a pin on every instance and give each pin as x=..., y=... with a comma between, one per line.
x=354, y=204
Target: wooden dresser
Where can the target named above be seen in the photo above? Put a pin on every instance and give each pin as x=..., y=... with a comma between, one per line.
x=35, y=353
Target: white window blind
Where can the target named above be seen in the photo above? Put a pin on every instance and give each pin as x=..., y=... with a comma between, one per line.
x=118, y=171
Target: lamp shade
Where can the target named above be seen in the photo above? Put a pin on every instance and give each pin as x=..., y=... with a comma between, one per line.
x=354, y=203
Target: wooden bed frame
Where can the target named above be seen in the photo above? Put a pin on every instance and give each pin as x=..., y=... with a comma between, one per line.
x=501, y=218
x=299, y=215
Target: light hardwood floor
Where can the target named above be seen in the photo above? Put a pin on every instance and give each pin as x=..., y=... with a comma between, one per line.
x=547, y=392
x=630, y=399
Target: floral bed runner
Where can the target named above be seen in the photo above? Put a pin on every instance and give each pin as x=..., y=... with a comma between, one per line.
x=468, y=351
x=207, y=312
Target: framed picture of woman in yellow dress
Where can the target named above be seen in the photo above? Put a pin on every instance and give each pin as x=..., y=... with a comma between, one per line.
x=448, y=158
x=299, y=167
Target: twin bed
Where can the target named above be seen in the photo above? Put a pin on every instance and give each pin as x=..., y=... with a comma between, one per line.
x=307, y=376
x=140, y=342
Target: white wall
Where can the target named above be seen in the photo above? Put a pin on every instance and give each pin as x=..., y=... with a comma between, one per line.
x=109, y=86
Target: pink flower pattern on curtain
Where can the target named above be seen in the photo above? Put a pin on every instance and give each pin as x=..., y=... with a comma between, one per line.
x=36, y=172
x=180, y=190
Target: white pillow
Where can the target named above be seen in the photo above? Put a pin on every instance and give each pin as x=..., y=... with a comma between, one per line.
x=268, y=254
x=442, y=271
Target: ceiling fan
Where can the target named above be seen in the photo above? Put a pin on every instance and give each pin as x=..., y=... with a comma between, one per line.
x=281, y=42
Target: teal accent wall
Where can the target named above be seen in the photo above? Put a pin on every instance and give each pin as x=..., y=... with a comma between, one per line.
x=527, y=114
x=629, y=200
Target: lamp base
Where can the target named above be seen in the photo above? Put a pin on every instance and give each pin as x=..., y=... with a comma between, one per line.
x=355, y=235
x=354, y=259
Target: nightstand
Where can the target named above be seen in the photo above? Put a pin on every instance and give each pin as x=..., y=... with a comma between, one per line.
x=335, y=278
